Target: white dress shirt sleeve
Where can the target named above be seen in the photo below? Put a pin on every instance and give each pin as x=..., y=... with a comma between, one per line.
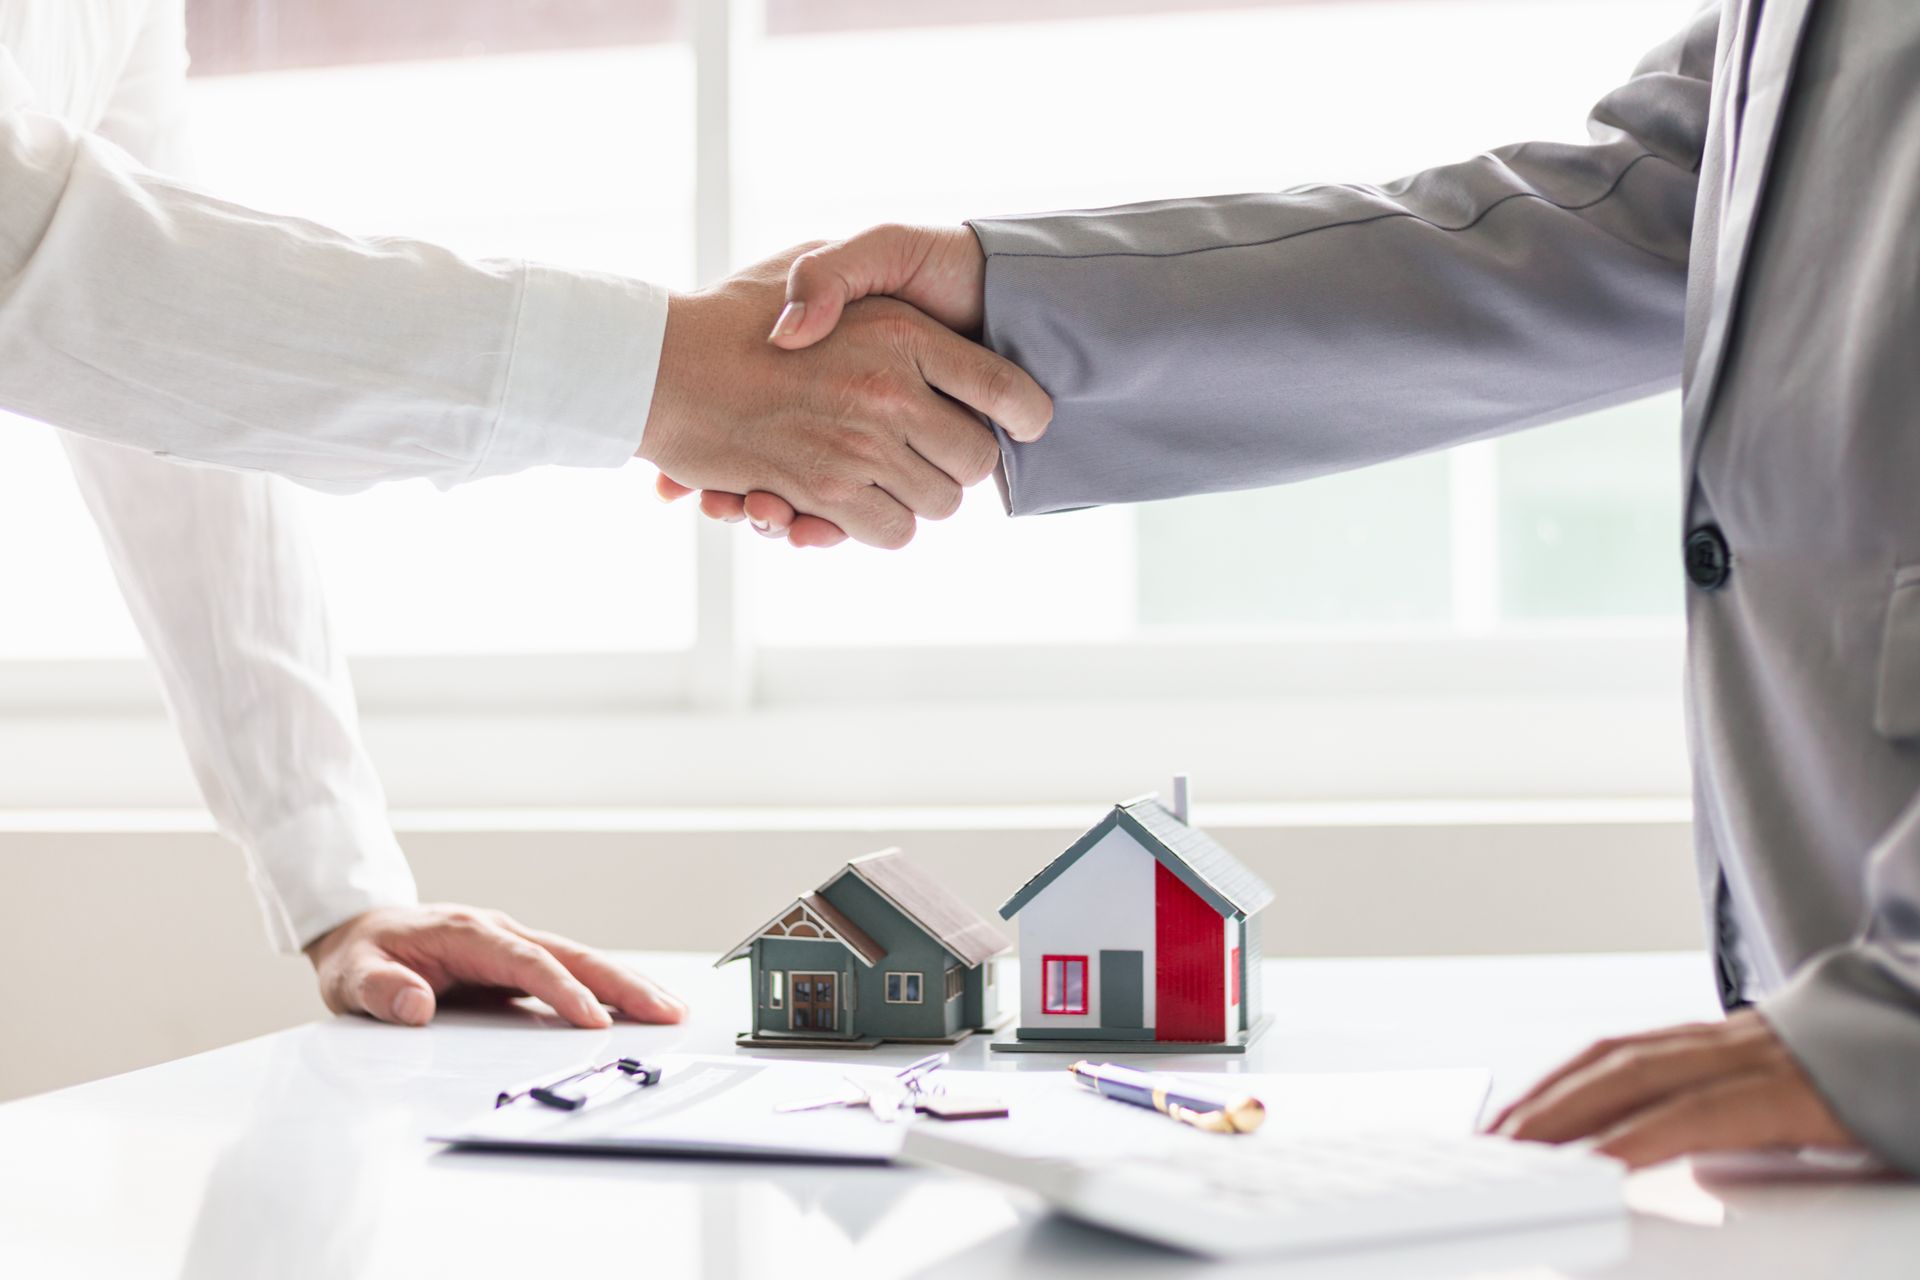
x=223, y=584
x=137, y=309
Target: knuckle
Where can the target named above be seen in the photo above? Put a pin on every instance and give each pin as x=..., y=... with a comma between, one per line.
x=831, y=483
x=807, y=272
x=895, y=532
x=895, y=395
x=894, y=323
x=859, y=447
x=527, y=960
x=943, y=502
x=997, y=382
x=877, y=392
x=984, y=456
x=842, y=491
x=1628, y=1063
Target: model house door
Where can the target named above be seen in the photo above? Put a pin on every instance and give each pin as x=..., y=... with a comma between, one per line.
x=814, y=1007
x=1122, y=998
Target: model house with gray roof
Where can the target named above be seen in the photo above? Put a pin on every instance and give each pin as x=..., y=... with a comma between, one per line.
x=1144, y=936
x=880, y=951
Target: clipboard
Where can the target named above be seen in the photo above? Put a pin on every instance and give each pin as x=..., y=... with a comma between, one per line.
x=729, y=1107
x=700, y=1106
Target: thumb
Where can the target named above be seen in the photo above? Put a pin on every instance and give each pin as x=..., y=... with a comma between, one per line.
x=389, y=991
x=821, y=282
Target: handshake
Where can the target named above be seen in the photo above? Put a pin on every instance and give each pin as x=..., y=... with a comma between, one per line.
x=832, y=391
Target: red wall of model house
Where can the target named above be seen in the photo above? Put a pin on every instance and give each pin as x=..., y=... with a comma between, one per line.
x=1190, y=987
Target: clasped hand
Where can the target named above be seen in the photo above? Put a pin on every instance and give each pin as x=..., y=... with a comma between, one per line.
x=859, y=414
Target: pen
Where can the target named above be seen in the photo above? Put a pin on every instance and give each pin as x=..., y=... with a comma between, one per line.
x=1171, y=1098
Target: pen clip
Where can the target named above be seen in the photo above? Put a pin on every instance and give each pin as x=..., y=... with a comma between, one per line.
x=586, y=1081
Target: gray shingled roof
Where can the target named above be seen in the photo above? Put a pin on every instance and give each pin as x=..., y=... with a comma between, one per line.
x=930, y=905
x=971, y=937
x=1225, y=874
x=1226, y=883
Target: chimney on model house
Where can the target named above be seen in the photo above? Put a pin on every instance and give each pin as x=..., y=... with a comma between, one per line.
x=1180, y=800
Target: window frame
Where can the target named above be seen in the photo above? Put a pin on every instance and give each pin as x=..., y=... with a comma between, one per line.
x=1066, y=963
x=776, y=988
x=1437, y=716
x=956, y=982
x=920, y=986
x=1577, y=673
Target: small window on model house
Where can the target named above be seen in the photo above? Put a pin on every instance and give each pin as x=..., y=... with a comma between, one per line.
x=991, y=966
x=903, y=988
x=956, y=982
x=1063, y=984
x=776, y=988
x=1235, y=962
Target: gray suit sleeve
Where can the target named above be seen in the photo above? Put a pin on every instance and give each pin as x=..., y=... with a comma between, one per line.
x=1851, y=1015
x=1234, y=342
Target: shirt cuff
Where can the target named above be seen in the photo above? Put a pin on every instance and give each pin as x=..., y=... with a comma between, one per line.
x=580, y=376
x=323, y=867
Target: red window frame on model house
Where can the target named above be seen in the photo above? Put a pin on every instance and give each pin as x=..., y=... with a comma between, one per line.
x=1053, y=996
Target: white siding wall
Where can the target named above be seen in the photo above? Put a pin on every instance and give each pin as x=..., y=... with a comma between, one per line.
x=1230, y=939
x=1104, y=901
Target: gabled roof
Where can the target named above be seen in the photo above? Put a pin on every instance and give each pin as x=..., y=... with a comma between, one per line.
x=970, y=936
x=904, y=886
x=1222, y=880
x=812, y=917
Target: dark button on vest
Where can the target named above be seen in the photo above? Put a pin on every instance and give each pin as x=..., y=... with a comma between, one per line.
x=1709, y=563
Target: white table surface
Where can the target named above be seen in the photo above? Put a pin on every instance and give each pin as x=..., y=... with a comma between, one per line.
x=300, y=1154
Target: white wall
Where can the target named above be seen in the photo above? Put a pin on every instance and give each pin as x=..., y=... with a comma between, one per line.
x=1103, y=902
x=129, y=939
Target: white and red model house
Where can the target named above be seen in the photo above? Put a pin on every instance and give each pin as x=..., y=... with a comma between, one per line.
x=1144, y=936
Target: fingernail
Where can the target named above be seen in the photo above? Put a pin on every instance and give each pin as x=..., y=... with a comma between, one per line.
x=789, y=322
x=413, y=1007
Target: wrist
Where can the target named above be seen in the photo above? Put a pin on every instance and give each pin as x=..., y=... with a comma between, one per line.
x=667, y=410
x=331, y=941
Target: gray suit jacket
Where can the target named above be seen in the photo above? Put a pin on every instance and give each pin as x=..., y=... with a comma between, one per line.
x=1745, y=220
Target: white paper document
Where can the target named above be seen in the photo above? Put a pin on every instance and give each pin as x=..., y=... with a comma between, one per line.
x=725, y=1106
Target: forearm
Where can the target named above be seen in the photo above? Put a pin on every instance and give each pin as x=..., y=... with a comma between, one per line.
x=1241, y=341
x=221, y=580
x=141, y=311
